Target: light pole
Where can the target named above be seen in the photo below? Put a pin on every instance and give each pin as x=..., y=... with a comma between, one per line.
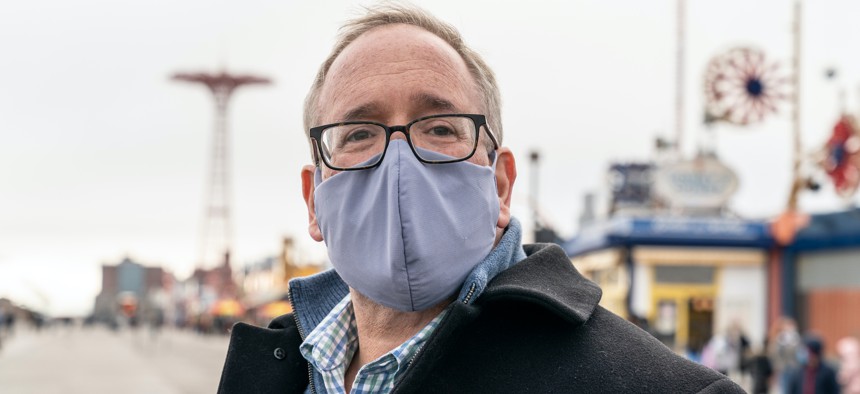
x=534, y=159
x=791, y=221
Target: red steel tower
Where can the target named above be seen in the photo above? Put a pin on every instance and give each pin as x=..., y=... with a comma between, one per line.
x=216, y=233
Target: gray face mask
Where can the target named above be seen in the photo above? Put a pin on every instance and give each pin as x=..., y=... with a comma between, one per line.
x=406, y=234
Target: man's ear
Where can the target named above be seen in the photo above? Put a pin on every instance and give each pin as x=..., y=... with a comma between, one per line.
x=308, y=194
x=506, y=174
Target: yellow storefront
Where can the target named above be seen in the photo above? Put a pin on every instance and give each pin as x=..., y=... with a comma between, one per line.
x=684, y=293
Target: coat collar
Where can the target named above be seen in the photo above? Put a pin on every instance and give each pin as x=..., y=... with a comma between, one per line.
x=548, y=279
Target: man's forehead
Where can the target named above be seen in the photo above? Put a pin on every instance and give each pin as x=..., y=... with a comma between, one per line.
x=396, y=42
x=401, y=57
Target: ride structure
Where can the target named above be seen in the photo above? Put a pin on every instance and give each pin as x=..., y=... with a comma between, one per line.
x=216, y=239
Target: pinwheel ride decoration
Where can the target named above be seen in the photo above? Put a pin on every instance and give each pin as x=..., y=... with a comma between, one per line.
x=842, y=156
x=742, y=87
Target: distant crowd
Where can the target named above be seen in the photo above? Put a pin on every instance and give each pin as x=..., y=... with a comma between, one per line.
x=787, y=362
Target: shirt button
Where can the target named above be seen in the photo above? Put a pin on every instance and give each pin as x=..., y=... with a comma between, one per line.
x=280, y=353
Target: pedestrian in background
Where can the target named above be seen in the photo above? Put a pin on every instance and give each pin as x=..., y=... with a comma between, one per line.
x=784, y=344
x=848, y=349
x=719, y=354
x=761, y=370
x=2, y=324
x=726, y=352
x=740, y=344
x=813, y=376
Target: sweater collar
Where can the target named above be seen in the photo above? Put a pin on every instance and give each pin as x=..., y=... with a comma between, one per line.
x=505, y=255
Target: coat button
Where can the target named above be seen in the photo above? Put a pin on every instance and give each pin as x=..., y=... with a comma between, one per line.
x=280, y=353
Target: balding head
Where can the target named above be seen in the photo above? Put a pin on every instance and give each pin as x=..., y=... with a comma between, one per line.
x=483, y=79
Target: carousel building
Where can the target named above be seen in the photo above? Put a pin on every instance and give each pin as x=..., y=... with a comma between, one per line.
x=670, y=259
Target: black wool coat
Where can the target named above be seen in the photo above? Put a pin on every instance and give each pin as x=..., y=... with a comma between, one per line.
x=536, y=328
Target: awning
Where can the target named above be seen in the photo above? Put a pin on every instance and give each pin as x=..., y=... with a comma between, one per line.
x=829, y=231
x=275, y=309
x=227, y=307
x=671, y=231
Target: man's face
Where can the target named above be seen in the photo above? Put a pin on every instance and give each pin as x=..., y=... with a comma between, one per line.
x=397, y=73
x=394, y=74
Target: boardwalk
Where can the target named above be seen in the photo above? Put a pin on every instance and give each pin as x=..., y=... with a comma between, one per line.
x=72, y=360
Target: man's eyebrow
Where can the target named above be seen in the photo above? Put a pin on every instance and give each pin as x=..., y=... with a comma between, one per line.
x=425, y=101
x=431, y=102
x=362, y=112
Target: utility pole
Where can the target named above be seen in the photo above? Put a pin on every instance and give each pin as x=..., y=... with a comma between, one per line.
x=534, y=159
x=542, y=230
x=786, y=226
x=679, y=81
x=216, y=239
x=797, y=182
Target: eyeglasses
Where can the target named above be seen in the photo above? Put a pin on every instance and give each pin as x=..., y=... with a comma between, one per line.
x=435, y=139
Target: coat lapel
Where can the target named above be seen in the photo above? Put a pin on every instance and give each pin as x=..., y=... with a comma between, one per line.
x=263, y=360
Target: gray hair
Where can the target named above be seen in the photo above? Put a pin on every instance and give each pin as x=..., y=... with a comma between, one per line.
x=396, y=13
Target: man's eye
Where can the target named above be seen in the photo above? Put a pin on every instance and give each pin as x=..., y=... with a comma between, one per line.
x=358, y=135
x=441, y=131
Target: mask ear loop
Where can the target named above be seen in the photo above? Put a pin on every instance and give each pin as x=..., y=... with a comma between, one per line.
x=317, y=176
x=316, y=148
x=492, y=155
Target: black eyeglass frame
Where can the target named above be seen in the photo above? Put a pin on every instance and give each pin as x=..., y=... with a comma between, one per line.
x=315, y=134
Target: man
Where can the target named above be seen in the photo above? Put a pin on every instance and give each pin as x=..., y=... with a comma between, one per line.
x=813, y=376
x=784, y=346
x=432, y=290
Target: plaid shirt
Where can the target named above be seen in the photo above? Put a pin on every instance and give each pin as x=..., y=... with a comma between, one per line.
x=329, y=348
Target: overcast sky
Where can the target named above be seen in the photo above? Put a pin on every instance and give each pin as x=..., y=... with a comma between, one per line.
x=101, y=156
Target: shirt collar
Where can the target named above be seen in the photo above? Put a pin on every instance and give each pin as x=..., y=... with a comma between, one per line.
x=330, y=347
x=334, y=341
